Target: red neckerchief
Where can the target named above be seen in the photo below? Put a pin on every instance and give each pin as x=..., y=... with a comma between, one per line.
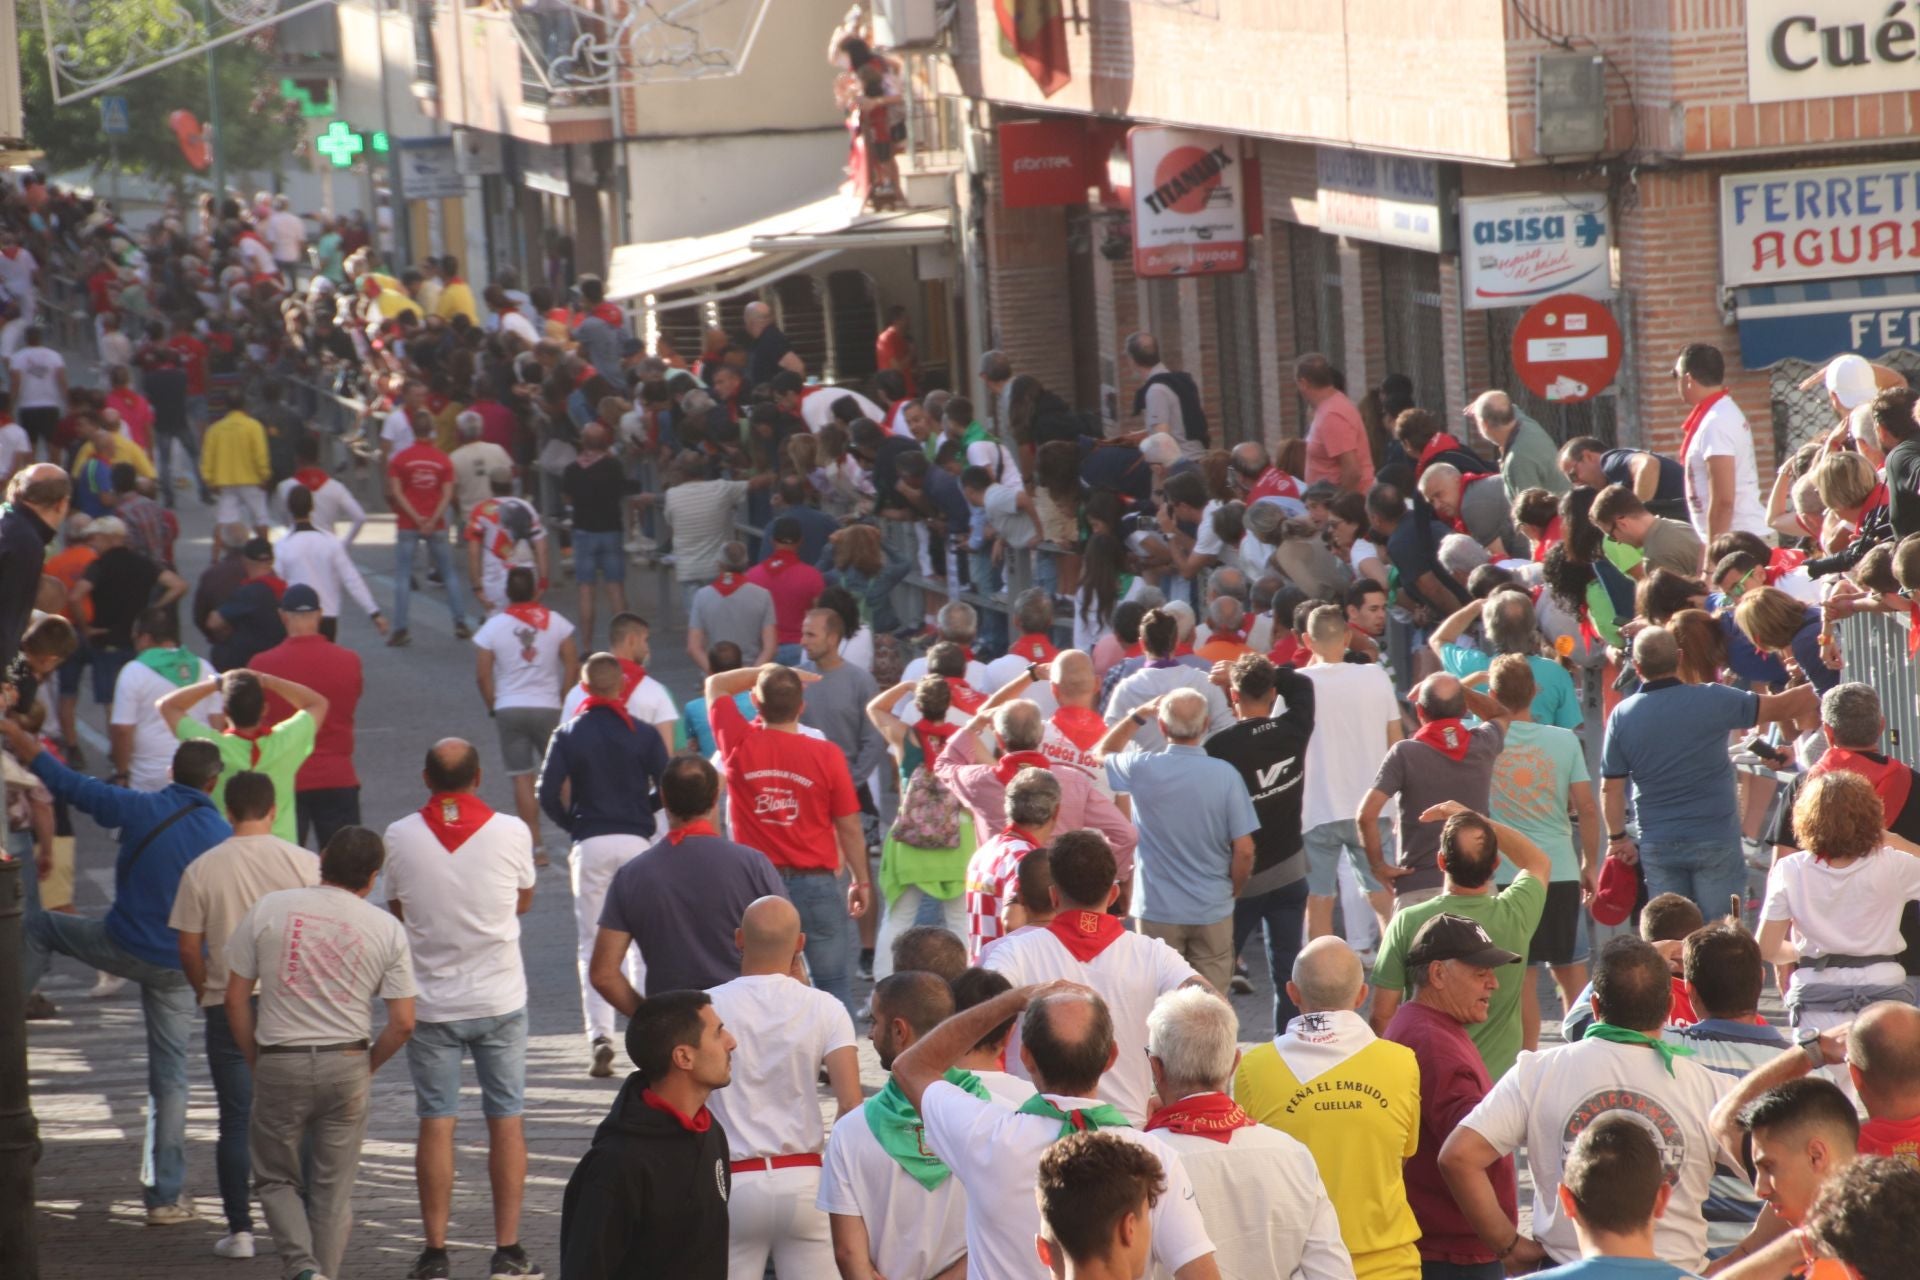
x=1034, y=648
x=275, y=583
x=1134, y=650
x=1204, y=1115
x=1784, y=560
x=699, y=1122
x=1014, y=761
x=614, y=705
x=1589, y=632
x=1184, y=649
x=728, y=583
x=1891, y=779
x=1082, y=726
x=1435, y=447
x=966, y=652
x=1555, y=532
x=964, y=695
x=436, y=402
x=251, y=737
x=1447, y=736
x=532, y=613
x=1273, y=483
x=780, y=561
x=699, y=827
x=1875, y=500
x=1085, y=934
x=608, y=313
x=932, y=736
x=1287, y=650
x=588, y=458
x=1238, y=633
x=311, y=478
x=631, y=674
x=453, y=817
x=1013, y=830
x=1695, y=417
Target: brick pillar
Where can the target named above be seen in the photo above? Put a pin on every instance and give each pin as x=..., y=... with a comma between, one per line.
x=1453, y=340
x=1267, y=294
x=1356, y=313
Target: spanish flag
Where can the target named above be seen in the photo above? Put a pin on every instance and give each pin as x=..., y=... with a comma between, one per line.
x=1035, y=32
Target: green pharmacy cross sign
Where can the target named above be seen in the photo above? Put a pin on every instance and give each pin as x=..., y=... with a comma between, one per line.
x=341, y=145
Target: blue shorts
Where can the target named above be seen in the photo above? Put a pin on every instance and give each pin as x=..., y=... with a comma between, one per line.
x=599, y=557
x=499, y=1049
x=106, y=664
x=1324, y=845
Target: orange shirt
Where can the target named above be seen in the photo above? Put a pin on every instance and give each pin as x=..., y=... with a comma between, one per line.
x=69, y=566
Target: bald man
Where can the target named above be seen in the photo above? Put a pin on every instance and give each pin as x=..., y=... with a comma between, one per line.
x=1529, y=458
x=1351, y=1097
x=459, y=877
x=787, y=1031
x=37, y=500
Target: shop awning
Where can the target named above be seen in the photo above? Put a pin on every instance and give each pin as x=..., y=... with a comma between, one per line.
x=741, y=259
x=1816, y=320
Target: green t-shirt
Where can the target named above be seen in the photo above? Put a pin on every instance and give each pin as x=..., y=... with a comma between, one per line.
x=1533, y=781
x=1509, y=917
x=282, y=750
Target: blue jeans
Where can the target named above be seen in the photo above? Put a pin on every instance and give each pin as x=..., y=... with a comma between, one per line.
x=821, y=901
x=499, y=1049
x=789, y=655
x=233, y=1087
x=167, y=1000
x=163, y=457
x=986, y=580
x=451, y=568
x=1711, y=872
x=1281, y=914
x=599, y=557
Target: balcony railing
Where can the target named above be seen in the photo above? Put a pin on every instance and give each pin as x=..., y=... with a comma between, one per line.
x=551, y=38
x=933, y=113
x=426, y=65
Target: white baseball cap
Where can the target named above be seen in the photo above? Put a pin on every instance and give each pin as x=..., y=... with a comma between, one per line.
x=1850, y=379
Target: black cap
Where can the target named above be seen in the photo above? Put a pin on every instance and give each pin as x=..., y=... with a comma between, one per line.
x=1451, y=937
x=257, y=549
x=300, y=598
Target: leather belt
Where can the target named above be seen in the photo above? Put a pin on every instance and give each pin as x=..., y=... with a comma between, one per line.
x=1837, y=961
x=767, y=1164
x=344, y=1046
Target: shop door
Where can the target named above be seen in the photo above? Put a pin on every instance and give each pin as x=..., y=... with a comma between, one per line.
x=1410, y=322
x=1319, y=319
x=1236, y=322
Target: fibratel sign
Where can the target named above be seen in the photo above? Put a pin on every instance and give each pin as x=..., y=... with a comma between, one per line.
x=1190, y=192
x=1798, y=49
x=1044, y=162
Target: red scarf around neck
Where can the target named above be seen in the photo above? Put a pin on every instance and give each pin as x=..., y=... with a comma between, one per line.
x=1695, y=417
x=964, y=695
x=1085, y=934
x=1134, y=650
x=1082, y=726
x=1435, y=447
x=532, y=613
x=453, y=817
x=700, y=827
x=1014, y=761
x=780, y=561
x=1555, y=533
x=728, y=583
x=1034, y=648
x=1784, y=560
x=311, y=478
x=699, y=1122
x=1447, y=736
x=252, y=738
x=608, y=313
x=1204, y=1115
x=1891, y=779
x=932, y=736
x=631, y=674
x=616, y=705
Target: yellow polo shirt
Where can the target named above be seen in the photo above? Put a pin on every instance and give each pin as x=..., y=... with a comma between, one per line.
x=1361, y=1120
x=124, y=450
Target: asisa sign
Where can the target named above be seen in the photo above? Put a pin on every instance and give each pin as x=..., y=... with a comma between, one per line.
x=1518, y=249
x=1799, y=49
x=1820, y=224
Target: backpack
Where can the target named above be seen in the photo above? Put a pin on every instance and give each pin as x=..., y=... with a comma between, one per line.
x=516, y=521
x=929, y=816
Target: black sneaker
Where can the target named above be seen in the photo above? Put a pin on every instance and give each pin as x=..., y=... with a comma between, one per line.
x=510, y=1262
x=399, y=639
x=866, y=963
x=430, y=1265
x=461, y=631
x=601, y=1065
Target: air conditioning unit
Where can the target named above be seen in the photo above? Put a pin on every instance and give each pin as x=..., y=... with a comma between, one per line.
x=900, y=24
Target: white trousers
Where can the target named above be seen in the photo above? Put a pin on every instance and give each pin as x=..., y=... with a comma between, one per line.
x=593, y=862
x=899, y=918
x=771, y=1212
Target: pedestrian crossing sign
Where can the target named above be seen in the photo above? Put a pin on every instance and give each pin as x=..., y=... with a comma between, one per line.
x=113, y=115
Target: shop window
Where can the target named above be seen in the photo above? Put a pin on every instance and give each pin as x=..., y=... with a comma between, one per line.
x=1235, y=300
x=1410, y=313
x=855, y=317
x=1598, y=417
x=1319, y=319
x=798, y=309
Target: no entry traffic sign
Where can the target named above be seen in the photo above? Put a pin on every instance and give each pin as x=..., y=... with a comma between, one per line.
x=1567, y=348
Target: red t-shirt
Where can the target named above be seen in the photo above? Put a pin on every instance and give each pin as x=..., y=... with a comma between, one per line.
x=794, y=589
x=333, y=672
x=783, y=790
x=422, y=471
x=894, y=350
x=193, y=356
x=1897, y=1138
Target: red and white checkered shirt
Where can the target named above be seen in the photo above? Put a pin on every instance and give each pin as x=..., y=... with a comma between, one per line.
x=991, y=876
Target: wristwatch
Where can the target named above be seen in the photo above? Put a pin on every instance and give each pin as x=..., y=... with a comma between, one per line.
x=1034, y=673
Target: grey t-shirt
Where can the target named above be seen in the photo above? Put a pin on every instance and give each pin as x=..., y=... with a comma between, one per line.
x=1672, y=546
x=1422, y=776
x=738, y=617
x=837, y=706
x=321, y=955
x=1486, y=512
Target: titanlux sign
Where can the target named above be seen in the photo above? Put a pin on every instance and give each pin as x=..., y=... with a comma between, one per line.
x=1189, y=202
x=1800, y=49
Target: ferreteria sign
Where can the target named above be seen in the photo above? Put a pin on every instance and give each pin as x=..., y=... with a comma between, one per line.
x=1820, y=224
x=1798, y=49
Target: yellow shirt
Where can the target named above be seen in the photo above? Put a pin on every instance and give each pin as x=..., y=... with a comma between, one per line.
x=456, y=299
x=124, y=450
x=233, y=453
x=1360, y=1119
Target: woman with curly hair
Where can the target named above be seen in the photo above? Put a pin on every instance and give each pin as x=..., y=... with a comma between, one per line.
x=1833, y=909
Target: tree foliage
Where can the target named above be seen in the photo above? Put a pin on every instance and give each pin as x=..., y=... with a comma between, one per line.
x=258, y=131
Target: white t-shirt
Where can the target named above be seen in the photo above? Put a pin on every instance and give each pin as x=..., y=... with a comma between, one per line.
x=1549, y=1098
x=16, y=276
x=285, y=233
x=1344, y=753
x=911, y=1231
x=14, y=443
x=526, y=660
x=36, y=377
x=333, y=504
x=649, y=703
x=462, y=915
x=816, y=408
x=473, y=464
x=1129, y=975
x=1851, y=911
x=135, y=691
x=515, y=323
x=1205, y=541
x=321, y=955
x=1261, y=1197
x=995, y=1153
x=785, y=1031
x=1014, y=526
x=397, y=430
x=1724, y=433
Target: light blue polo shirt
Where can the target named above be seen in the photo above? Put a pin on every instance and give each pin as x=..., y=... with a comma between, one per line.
x=1190, y=808
x=1671, y=740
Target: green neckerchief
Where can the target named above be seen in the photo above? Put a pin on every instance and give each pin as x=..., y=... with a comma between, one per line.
x=1103, y=1115
x=1621, y=1035
x=180, y=665
x=897, y=1128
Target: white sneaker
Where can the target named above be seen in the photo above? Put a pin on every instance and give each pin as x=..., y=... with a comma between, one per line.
x=106, y=986
x=170, y=1215
x=237, y=1245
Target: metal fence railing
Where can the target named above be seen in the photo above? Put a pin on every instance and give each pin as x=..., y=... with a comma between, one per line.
x=1873, y=650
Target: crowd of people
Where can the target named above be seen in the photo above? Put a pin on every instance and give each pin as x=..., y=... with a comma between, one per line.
x=1033, y=722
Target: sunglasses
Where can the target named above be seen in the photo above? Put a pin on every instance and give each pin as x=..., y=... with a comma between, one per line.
x=1739, y=587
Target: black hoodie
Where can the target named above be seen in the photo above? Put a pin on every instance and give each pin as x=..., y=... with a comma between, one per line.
x=649, y=1199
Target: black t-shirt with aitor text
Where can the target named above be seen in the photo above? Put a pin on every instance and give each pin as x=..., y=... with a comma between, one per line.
x=1271, y=755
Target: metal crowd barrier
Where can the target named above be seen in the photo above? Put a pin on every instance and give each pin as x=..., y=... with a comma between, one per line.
x=1873, y=650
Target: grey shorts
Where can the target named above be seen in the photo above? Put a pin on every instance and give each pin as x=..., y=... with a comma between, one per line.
x=523, y=736
x=1324, y=845
x=498, y=1046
